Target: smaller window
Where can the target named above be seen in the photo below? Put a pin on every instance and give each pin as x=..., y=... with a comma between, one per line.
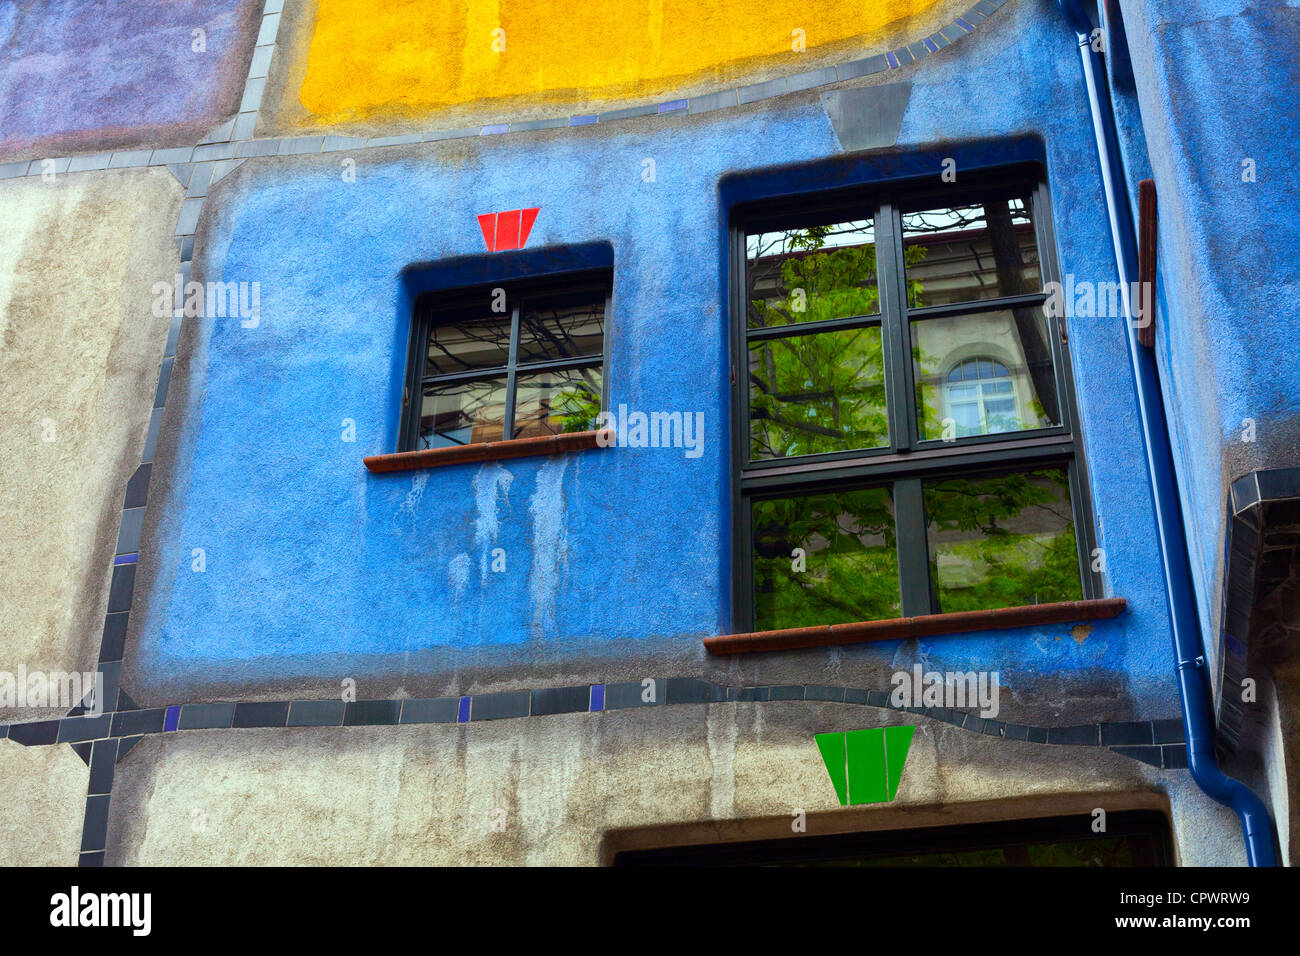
x=507, y=361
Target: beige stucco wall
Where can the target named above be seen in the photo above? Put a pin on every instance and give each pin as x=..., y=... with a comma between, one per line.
x=79, y=357
x=571, y=789
x=42, y=803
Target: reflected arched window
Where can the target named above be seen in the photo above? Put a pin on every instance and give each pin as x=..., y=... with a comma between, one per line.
x=980, y=396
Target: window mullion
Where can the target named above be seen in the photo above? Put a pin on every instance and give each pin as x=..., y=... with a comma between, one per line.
x=893, y=333
x=508, y=417
x=913, y=550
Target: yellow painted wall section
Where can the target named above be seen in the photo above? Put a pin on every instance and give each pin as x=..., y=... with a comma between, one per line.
x=415, y=56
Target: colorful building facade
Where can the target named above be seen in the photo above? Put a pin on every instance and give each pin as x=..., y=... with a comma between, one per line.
x=500, y=434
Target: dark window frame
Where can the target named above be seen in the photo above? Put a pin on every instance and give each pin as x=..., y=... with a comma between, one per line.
x=445, y=307
x=1147, y=830
x=907, y=460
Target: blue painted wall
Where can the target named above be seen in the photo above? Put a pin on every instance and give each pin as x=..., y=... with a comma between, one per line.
x=1216, y=82
x=309, y=558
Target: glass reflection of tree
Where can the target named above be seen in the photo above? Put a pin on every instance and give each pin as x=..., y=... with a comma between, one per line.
x=1019, y=567
x=811, y=394
x=554, y=332
x=825, y=392
x=851, y=564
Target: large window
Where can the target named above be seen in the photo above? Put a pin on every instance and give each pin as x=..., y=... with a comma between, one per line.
x=506, y=361
x=906, y=439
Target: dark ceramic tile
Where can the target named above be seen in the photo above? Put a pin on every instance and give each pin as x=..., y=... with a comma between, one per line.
x=84, y=728
x=712, y=101
x=164, y=379
x=103, y=758
x=108, y=685
x=786, y=692
x=128, y=723
x=35, y=734
x=805, y=81
x=372, y=713
x=1168, y=731
x=761, y=91
x=561, y=700
x=137, y=489
x=1127, y=733
x=1084, y=735
x=119, y=591
x=206, y=716
x=647, y=110
x=747, y=694
x=430, y=710
x=877, y=698
x=89, y=860
x=855, y=695
x=865, y=67
x=1037, y=735
x=633, y=693
x=823, y=692
x=688, y=690
x=1175, y=757
x=502, y=706
x=535, y=125
x=315, y=713
x=95, y=828
x=260, y=714
x=113, y=643
x=1017, y=732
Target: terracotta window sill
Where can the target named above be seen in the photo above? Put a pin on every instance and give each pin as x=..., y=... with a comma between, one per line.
x=483, y=451
x=797, y=638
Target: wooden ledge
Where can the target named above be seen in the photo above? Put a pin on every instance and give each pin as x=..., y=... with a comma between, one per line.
x=826, y=635
x=485, y=451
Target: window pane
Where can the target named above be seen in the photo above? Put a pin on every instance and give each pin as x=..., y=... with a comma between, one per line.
x=965, y=253
x=984, y=373
x=809, y=274
x=1002, y=540
x=810, y=394
x=482, y=342
x=562, y=327
x=849, y=568
x=556, y=401
x=462, y=412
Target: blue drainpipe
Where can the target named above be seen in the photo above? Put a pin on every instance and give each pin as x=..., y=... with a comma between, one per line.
x=1193, y=685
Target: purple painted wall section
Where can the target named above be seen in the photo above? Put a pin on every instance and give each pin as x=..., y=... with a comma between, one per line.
x=77, y=75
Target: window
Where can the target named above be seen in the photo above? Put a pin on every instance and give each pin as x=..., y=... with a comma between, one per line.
x=906, y=440
x=506, y=361
x=1132, y=838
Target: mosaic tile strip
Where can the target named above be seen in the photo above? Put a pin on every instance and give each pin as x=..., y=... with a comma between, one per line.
x=1160, y=743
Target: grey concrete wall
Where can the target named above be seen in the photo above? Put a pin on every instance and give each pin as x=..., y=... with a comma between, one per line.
x=570, y=790
x=79, y=357
x=42, y=799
